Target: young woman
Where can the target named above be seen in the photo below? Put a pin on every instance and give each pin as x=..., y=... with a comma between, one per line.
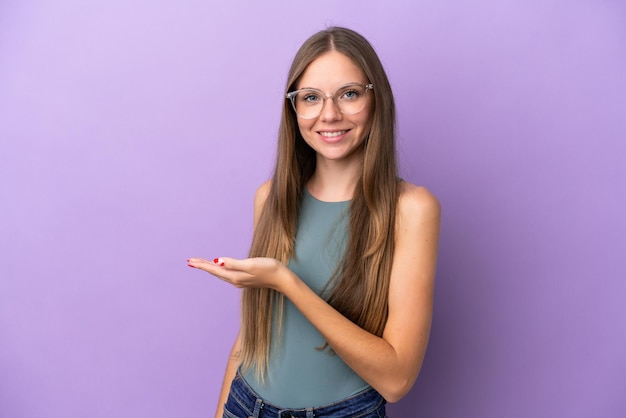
x=338, y=289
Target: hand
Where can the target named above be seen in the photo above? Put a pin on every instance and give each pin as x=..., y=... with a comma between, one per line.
x=249, y=272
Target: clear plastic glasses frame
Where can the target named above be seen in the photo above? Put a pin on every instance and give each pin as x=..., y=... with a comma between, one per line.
x=314, y=108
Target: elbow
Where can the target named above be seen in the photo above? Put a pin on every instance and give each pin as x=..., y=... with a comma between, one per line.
x=397, y=390
x=393, y=397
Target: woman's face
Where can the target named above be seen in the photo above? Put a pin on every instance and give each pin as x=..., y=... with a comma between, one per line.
x=335, y=135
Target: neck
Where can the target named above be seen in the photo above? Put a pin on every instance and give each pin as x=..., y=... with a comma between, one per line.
x=334, y=181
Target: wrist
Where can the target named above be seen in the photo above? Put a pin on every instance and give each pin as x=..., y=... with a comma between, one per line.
x=287, y=281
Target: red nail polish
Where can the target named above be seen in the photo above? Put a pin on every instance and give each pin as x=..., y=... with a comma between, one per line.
x=191, y=266
x=216, y=260
x=222, y=264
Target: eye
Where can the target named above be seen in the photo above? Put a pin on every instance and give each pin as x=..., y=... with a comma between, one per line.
x=309, y=97
x=350, y=94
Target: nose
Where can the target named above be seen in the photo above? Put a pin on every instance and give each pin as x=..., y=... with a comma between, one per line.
x=330, y=111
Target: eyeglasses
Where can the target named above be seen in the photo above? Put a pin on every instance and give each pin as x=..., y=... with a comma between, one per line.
x=349, y=99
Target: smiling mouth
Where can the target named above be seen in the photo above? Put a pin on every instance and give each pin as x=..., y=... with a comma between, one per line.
x=332, y=134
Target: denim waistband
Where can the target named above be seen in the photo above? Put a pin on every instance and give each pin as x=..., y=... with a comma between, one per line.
x=366, y=403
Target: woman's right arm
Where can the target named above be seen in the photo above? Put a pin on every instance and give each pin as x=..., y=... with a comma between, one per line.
x=229, y=375
x=233, y=360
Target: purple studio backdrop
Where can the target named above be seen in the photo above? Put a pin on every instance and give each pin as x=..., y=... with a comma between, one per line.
x=133, y=134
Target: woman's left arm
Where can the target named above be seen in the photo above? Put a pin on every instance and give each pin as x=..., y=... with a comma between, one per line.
x=389, y=363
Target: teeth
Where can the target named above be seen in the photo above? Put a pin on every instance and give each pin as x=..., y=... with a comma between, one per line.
x=332, y=134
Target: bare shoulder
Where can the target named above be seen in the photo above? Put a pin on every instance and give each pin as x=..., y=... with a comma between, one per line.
x=260, y=197
x=261, y=194
x=417, y=203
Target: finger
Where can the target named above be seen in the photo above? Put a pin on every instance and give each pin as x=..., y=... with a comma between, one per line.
x=232, y=263
x=243, y=265
x=218, y=262
x=230, y=270
x=199, y=262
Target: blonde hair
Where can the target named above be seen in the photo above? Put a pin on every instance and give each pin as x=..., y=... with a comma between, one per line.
x=359, y=289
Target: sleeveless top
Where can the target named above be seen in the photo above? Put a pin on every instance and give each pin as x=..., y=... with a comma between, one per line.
x=300, y=375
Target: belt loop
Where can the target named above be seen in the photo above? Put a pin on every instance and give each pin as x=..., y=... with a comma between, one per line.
x=309, y=413
x=258, y=405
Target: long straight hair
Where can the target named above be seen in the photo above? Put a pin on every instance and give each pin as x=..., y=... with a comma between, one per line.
x=360, y=287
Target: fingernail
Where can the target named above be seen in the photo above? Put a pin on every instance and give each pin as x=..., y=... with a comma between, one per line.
x=191, y=266
x=216, y=260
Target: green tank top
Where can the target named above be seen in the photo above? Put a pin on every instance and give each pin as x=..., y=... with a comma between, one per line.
x=300, y=375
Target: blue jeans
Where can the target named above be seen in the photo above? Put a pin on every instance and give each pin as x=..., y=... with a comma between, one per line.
x=243, y=402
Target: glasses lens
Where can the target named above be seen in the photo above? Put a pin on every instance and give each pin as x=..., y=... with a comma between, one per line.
x=351, y=99
x=308, y=103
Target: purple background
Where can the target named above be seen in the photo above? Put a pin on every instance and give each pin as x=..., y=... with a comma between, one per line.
x=134, y=133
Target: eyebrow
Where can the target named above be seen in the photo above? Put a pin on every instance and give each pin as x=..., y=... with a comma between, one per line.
x=342, y=85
